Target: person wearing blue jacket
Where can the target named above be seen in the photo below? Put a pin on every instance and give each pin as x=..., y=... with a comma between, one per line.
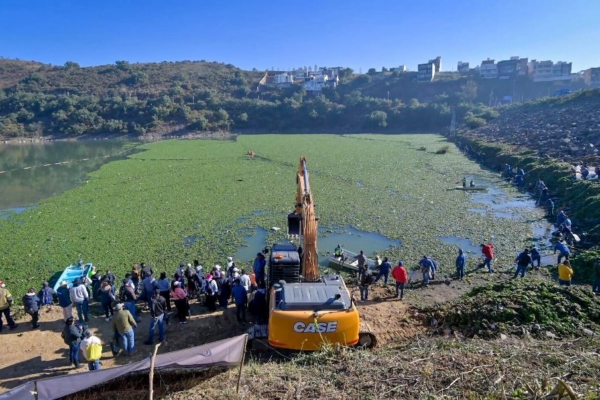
x=31, y=303
x=426, y=269
x=461, y=263
x=384, y=270
x=64, y=300
x=240, y=297
x=46, y=294
x=560, y=219
x=259, y=268
x=563, y=249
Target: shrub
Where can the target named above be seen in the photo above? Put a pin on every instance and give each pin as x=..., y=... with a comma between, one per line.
x=474, y=122
x=443, y=150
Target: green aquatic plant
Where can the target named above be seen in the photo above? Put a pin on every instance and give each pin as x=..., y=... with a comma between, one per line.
x=189, y=199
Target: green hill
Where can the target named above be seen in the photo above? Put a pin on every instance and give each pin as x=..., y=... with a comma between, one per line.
x=196, y=96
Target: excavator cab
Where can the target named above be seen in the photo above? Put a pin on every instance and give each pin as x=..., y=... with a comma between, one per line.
x=294, y=224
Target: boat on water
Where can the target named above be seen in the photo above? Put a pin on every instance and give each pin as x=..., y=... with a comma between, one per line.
x=348, y=262
x=73, y=272
x=470, y=188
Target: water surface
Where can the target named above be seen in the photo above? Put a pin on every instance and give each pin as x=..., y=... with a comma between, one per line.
x=35, y=171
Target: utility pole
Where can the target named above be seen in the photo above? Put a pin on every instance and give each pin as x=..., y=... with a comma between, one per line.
x=453, y=125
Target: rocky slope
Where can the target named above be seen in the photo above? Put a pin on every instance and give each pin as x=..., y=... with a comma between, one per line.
x=565, y=128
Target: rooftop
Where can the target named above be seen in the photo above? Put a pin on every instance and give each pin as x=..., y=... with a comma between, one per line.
x=328, y=294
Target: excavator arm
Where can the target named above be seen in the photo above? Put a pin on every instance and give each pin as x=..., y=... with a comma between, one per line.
x=303, y=223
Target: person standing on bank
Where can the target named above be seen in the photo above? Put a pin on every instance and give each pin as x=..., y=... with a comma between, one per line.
x=158, y=306
x=72, y=336
x=366, y=280
x=565, y=273
x=240, y=296
x=488, y=252
x=461, y=263
x=400, y=275
x=64, y=300
x=31, y=304
x=79, y=297
x=123, y=323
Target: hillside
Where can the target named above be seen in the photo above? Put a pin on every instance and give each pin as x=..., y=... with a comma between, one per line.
x=155, y=98
x=563, y=128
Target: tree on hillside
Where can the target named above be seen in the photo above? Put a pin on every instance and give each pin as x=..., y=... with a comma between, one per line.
x=345, y=74
x=71, y=65
x=372, y=71
x=384, y=69
x=122, y=65
x=378, y=119
x=468, y=91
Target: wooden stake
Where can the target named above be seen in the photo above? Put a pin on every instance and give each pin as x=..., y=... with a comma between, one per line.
x=151, y=391
x=237, y=387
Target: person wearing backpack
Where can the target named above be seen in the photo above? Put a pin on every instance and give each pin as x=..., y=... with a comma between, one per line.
x=31, y=303
x=46, y=294
x=91, y=347
x=366, y=280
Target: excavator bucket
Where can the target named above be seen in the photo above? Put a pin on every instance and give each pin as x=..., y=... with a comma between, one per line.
x=294, y=222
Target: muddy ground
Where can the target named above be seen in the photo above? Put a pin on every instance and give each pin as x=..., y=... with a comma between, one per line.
x=41, y=353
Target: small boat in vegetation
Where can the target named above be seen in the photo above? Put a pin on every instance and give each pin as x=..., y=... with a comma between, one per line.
x=348, y=262
x=470, y=188
x=73, y=272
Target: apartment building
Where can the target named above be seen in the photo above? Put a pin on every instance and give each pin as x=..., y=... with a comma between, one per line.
x=488, y=69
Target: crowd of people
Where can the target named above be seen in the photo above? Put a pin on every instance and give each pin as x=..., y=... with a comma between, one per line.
x=214, y=289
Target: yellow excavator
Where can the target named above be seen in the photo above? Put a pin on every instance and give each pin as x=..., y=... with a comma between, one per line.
x=306, y=309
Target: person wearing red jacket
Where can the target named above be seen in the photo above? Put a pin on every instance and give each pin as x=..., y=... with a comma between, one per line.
x=488, y=252
x=401, y=276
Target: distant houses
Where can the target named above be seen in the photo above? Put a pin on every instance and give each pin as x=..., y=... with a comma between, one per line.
x=313, y=80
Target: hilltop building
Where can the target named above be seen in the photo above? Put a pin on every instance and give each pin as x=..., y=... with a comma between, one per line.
x=509, y=69
x=425, y=72
x=463, y=67
x=547, y=71
x=591, y=76
x=437, y=62
x=488, y=69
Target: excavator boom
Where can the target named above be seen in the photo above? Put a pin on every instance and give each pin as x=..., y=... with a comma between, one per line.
x=303, y=223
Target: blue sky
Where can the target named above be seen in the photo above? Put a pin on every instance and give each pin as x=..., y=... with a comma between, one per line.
x=285, y=34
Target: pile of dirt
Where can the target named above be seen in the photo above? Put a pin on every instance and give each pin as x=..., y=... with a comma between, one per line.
x=567, y=128
x=540, y=309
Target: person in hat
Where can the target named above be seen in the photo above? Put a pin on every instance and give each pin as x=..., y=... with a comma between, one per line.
x=181, y=302
x=400, y=275
x=123, y=323
x=259, y=268
x=180, y=269
x=6, y=301
x=229, y=263
x=461, y=263
x=31, y=304
x=72, y=335
x=64, y=300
